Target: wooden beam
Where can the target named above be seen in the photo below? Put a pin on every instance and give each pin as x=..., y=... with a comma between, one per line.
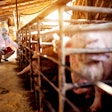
x=21, y=7
x=21, y=2
x=47, y=11
x=33, y=7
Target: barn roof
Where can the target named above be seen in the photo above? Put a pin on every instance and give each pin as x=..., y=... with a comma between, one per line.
x=9, y=9
x=24, y=7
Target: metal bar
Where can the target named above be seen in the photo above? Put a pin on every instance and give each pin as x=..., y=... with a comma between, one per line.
x=100, y=84
x=46, y=43
x=61, y=71
x=76, y=21
x=17, y=15
x=81, y=28
x=39, y=65
x=87, y=50
x=89, y=9
x=104, y=87
x=88, y=27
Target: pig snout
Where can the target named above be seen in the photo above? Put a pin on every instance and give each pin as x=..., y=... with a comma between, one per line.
x=92, y=72
x=81, y=90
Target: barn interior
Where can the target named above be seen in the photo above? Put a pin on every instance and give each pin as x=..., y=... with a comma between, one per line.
x=34, y=25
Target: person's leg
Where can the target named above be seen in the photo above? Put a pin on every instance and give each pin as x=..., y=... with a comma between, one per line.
x=8, y=52
x=8, y=55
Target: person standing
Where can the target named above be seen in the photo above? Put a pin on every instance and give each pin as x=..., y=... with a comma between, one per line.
x=7, y=45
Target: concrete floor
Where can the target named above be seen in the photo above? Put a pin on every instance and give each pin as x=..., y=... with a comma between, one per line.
x=13, y=97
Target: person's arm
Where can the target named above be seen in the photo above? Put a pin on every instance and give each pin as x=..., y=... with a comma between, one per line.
x=26, y=69
x=12, y=43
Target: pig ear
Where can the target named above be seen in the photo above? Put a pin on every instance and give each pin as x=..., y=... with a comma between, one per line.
x=68, y=44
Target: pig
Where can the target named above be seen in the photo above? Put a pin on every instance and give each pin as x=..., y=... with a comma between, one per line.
x=34, y=66
x=92, y=66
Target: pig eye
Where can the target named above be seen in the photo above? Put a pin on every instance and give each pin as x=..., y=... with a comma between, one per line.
x=95, y=61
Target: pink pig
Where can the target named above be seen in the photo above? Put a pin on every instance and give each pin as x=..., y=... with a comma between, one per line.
x=93, y=66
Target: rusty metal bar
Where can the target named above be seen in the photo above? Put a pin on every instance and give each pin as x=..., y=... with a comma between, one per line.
x=17, y=15
x=61, y=70
x=39, y=64
x=30, y=57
